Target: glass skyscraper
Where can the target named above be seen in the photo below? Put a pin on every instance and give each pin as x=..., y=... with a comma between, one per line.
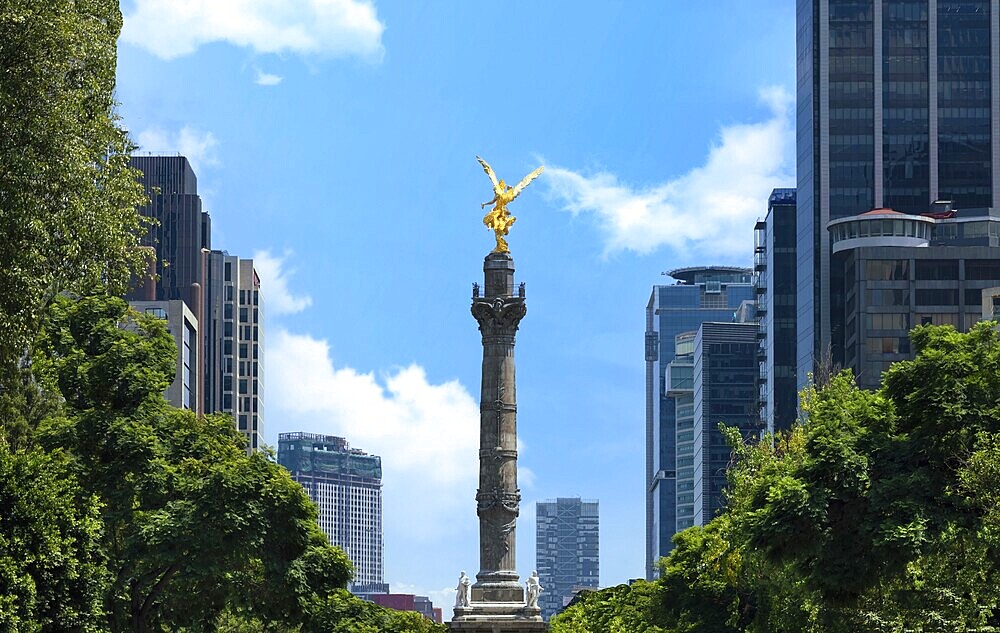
x=725, y=361
x=567, y=550
x=775, y=281
x=699, y=294
x=896, y=100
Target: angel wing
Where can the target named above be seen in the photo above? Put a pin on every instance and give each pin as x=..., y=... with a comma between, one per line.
x=489, y=172
x=526, y=180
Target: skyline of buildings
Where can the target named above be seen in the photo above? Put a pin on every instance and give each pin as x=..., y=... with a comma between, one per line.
x=896, y=103
x=567, y=550
x=891, y=226
x=220, y=291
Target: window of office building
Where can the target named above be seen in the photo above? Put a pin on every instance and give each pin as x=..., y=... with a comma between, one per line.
x=974, y=298
x=887, y=297
x=937, y=296
x=983, y=270
x=943, y=318
x=896, y=321
x=936, y=270
x=888, y=269
x=888, y=345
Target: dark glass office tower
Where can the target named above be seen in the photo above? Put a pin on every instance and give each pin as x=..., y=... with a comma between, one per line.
x=775, y=285
x=725, y=357
x=895, y=103
x=181, y=231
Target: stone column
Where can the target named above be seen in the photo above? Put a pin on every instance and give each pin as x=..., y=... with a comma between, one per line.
x=498, y=314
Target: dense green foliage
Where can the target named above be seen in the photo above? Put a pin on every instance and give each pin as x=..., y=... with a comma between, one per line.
x=878, y=513
x=68, y=197
x=51, y=572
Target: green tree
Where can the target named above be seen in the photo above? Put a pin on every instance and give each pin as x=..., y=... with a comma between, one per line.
x=620, y=609
x=340, y=612
x=52, y=576
x=193, y=525
x=68, y=197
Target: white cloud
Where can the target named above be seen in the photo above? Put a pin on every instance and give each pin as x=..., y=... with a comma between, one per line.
x=426, y=434
x=710, y=208
x=262, y=78
x=274, y=284
x=525, y=477
x=197, y=146
x=172, y=28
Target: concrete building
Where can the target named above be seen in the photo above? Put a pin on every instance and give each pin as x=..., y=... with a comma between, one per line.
x=233, y=334
x=700, y=294
x=183, y=391
x=898, y=105
x=567, y=550
x=775, y=284
x=724, y=392
x=346, y=484
x=902, y=270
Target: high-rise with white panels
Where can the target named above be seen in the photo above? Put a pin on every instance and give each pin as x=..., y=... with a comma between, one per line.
x=346, y=484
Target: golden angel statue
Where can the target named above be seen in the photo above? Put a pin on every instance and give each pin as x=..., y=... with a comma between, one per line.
x=498, y=219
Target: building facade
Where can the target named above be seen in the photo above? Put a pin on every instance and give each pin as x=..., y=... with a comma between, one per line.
x=902, y=270
x=699, y=294
x=346, y=484
x=724, y=392
x=775, y=285
x=181, y=232
x=680, y=388
x=567, y=550
x=233, y=334
x=896, y=101
x=183, y=392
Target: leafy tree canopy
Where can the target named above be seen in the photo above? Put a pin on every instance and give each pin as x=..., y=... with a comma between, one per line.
x=68, y=197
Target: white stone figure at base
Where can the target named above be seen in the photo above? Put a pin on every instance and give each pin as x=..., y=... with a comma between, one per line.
x=462, y=591
x=534, y=589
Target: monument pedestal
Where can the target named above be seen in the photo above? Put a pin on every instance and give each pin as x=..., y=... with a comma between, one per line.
x=497, y=617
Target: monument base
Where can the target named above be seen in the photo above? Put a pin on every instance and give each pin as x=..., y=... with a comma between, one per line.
x=498, y=617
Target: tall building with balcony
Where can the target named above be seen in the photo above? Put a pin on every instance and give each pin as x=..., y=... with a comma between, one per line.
x=346, y=484
x=775, y=285
x=699, y=294
x=567, y=550
x=901, y=270
x=898, y=105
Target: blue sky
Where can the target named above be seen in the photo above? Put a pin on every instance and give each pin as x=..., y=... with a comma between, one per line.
x=335, y=141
